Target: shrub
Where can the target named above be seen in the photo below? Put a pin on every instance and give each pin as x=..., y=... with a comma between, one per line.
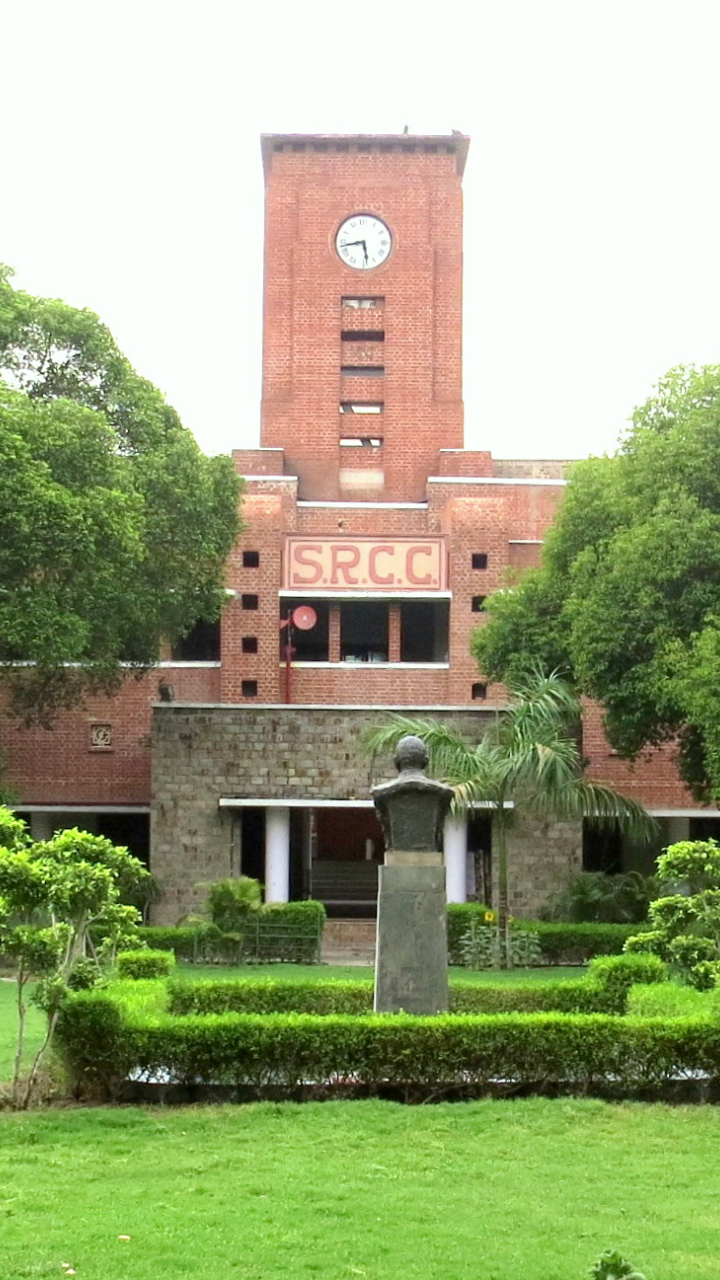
x=616, y=974
x=231, y=901
x=460, y=918
x=576, y=943
x=286, y=931
x=281, y=1053
x=595, y=896
x=145, y=964
x=685, y=924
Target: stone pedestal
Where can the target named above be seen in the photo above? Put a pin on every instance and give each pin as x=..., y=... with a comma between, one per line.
x=411, y=960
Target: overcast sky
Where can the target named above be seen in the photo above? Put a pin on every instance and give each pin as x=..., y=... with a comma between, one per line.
x=132, y=184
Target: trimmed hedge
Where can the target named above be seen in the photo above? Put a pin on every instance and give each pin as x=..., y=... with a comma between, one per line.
x=145, y=964
x=355, y=997
x=560, y=943
x=289, y=1053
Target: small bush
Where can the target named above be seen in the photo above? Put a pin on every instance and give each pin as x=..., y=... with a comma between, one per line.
x=618, y=973
x=231, y=901
x=483, y=947
x=590, y=896
x=145, y=964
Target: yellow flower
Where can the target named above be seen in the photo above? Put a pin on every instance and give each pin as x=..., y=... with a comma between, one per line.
x=489, y=917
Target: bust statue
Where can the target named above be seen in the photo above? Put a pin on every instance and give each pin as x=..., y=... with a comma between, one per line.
x=412, y=808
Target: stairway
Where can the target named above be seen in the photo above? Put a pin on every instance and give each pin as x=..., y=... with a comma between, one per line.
x=344, y=884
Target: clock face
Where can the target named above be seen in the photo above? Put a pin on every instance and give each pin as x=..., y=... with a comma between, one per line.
x=363, y=242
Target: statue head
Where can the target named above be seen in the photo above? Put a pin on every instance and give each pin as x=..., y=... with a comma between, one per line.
x=411, y=753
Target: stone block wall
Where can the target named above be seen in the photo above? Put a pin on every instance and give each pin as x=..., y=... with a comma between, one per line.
x=201, y=753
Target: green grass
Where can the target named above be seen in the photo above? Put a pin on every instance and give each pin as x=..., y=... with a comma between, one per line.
x=524, y=1190
x=8, y=1029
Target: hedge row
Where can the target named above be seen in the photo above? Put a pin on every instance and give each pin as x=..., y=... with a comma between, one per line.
x=604, y=990
x=287, y=1053
x=356, y=997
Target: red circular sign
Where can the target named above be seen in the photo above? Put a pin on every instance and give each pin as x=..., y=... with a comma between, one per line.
x=304, y=617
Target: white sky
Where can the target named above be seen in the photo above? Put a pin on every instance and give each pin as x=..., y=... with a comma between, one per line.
x=132, y=184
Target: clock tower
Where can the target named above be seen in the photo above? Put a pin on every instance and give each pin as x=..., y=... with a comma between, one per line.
x=362, y=352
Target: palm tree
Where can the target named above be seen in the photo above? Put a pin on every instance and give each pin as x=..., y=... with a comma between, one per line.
x=530, y=756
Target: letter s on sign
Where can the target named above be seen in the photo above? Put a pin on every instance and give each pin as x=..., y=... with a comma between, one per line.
x=424, y=580
x=309, y=556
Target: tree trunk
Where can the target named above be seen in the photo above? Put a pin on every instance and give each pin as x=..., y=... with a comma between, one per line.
x=505, y=947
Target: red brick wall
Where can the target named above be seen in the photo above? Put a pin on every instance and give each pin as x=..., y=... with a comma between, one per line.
x=59, y=766
x=419, y=196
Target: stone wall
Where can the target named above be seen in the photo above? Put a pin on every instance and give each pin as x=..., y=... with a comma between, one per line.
x=201, y=753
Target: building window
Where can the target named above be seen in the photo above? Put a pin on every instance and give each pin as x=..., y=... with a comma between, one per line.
x=311, y=645
x=363, y=631
x=479, y=691
x=201, y=644
x=250, y=559
x=361, y=442
x=249, y=644
x=362, y=335
x=478, y=604
x=362, y=371
x=424, y=630
x=479, y=560
x=249, y=688
x=250, y=601
x=363, y=304
x=361, y=406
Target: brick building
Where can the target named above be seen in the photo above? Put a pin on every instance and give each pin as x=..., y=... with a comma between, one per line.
x=372, y=539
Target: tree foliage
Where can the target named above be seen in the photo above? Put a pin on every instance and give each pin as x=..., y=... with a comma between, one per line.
x=51, y=895
x=114, y=526
x=685, y=922
x=627, y=599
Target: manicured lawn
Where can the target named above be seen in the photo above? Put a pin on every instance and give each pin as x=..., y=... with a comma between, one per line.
x=524, y=1190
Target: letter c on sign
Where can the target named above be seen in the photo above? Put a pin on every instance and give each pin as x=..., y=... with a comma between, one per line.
x=379, y=579
x=417, y=580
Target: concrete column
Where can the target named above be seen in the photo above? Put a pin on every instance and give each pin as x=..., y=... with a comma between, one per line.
x=455, y=849
x=677, y=829
x=277, y=854
x=42, y=825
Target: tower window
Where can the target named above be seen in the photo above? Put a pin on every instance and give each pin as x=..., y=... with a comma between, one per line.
x=249, y=688
x=479, y=691
x=362, y=371
x=361, y=442
x=363, y=304
x=250, y=559
x=362, y=335
x=249, y=644
x=361, y=406
x=478, y=604
x=479, y=560
x=250, y=601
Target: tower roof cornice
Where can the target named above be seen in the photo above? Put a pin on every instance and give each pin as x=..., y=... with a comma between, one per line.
x=454, y=143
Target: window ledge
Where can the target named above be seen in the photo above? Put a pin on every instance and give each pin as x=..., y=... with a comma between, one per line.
x=374, y=666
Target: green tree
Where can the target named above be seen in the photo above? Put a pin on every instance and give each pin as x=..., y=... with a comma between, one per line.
x=685, y=923
x=51, y=895
x=114, y=526
x=530, y=758
x=627, y=599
